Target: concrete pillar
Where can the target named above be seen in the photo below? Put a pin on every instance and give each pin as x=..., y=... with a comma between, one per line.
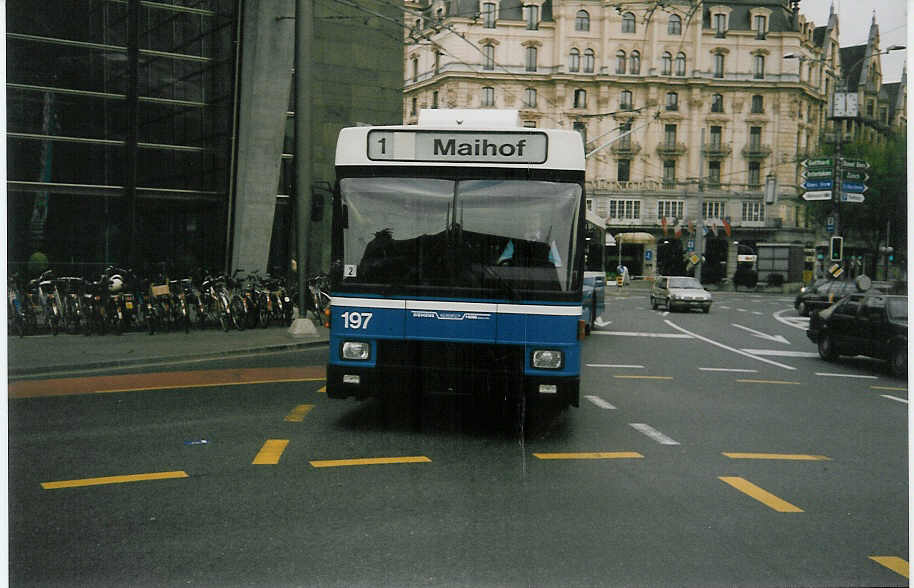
x=268, y=49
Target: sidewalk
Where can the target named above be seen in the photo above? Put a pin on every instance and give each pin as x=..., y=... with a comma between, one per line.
x=46, y=354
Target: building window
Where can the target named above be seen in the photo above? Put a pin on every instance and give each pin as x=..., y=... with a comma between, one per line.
x=531, y=58
x=674, y=27
x=589, y=60
x=628, y=23
x=760, y=26
x=580, y=98
x=488, y=57
x=620, y=62
x=720, y=24
x=713, y=208
x=634, y=63
x=716, y=135
x=759, y=67
x=437, y=61
x=625, y=209
x=488, y=96
x=623, y=170
x=530, y=97
x=532, y=17
x=574, y=60
x=530, y=124
x=488, y=15
x=435, y=99
x=714, y=173
x=669, y=136
x=718, y=65
x=625, y=100
x=758, y=104
x=717, y=103
x=582, y=21
x=667, y=64
x=669, y=173
x=581, y=128
x=672, y=101
x=755, y=174
x=755, y=138
x=413, y=106
x=415, y=69
x=870, y=108
x=680, y=64
x=753, y=211
x=625, y=137
x=670, y=209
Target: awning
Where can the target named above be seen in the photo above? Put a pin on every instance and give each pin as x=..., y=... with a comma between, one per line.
x=610, y=241
x=643, y=238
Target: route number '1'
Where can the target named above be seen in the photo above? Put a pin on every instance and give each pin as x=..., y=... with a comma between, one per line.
x=356, y=320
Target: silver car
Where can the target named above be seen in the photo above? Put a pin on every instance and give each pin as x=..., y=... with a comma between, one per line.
x=679, y=292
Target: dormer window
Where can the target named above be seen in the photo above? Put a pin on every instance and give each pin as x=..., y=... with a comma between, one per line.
x=760, y=25
x=488, y=15
x=720, y=24
x=532, y=16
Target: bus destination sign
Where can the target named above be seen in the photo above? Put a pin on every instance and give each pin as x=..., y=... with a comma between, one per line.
x=457, y=146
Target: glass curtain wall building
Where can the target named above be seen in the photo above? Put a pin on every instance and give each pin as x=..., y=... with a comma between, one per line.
x=149, y=131
x=119, y=131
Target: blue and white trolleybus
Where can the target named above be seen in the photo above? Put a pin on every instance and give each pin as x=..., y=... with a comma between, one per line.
x=458, y=260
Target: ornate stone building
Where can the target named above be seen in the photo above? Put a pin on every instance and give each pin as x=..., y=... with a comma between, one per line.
x=687, y=110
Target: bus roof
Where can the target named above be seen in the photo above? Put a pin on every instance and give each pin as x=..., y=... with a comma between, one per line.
x=462, y=138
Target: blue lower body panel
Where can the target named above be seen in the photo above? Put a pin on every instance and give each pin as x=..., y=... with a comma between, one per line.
x=453, y=347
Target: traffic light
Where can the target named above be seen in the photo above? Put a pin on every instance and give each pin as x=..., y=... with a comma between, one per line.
x=836, y=249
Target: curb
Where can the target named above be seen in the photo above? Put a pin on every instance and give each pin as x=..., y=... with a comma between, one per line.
x=116, y=363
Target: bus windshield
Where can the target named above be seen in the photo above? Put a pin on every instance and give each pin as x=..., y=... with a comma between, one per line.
x=510, y=236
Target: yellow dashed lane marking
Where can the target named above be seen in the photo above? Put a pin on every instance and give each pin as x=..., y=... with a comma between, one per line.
x=298, y=413
x=113, y=480
x=763, y=496
x=893, y=388
x=896, y=564
x=785, y=456
x=335, y=463
x=746, y=381
x=271, y=451
x=213, y=385
x=594, y=455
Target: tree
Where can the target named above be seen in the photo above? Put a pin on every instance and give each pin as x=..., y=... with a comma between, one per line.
x=886, y=199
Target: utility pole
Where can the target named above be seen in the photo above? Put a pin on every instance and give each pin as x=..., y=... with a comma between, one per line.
x=700, y=237
x=304, y=31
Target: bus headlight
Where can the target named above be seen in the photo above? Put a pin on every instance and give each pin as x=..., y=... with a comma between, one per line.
x=548, y=359
x=356, y=350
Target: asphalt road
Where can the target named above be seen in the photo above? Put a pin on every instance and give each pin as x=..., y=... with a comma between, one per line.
x=708, y=450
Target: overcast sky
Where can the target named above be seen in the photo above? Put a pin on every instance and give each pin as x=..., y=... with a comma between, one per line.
x=854, y=17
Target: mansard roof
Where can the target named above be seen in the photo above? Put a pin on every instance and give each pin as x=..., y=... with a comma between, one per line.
x=781, y=20
x=852, y=64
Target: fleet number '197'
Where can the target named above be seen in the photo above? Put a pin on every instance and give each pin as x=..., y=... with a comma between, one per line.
x=356, y=320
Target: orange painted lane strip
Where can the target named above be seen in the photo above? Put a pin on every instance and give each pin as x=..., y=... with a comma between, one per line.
x=162, y=381
x=113, y=480
x=896, y=564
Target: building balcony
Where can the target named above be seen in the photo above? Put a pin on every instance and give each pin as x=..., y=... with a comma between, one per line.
x=625, y=148
x=756, y=151
x=670, y=149
x=716, y=150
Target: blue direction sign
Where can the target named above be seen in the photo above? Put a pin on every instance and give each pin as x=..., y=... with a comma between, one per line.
x=817, y=185
x=853, y=187
x=648, y=255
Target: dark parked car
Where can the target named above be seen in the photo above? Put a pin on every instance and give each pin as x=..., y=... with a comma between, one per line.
x=875, y=325
x=822, y=294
